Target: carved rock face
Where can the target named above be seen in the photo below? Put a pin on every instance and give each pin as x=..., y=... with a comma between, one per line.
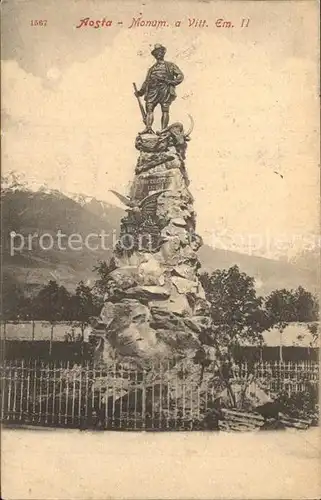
x=198, y=323
x=108, y=313
x=124, y=277
x=185, y=271
x=201, y=307
x=129, y=331
x=147, y=293
x=196, y=242
x=124, y=259
x=151, y=272
x=185, y=286
x=169, y=252
x=155, y=305
x=176, y=304
x=172, y=230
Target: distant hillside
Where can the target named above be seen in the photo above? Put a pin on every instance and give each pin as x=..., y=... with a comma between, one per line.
x=27, y=212
x=269, y=274
x=48, y=211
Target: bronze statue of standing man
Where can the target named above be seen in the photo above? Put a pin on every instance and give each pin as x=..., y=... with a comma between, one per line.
x=159, y=87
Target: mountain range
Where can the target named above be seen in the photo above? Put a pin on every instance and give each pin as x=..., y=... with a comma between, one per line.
x=44, y=211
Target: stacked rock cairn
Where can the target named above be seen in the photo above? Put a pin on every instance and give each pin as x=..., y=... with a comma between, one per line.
x=155, y=306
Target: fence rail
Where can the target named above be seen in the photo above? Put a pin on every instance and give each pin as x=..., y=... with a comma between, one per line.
x=165, y=396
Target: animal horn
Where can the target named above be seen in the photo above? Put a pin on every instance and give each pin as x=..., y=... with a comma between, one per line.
x=191, y=127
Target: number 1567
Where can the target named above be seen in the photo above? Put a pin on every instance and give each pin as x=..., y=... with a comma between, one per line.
x=36, y=22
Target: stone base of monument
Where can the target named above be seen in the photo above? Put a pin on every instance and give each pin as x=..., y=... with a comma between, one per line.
x=155, y=306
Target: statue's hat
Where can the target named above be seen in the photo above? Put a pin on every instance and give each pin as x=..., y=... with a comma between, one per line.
x=158, y=47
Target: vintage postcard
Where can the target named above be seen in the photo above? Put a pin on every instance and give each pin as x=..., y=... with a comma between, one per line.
x=160, y=249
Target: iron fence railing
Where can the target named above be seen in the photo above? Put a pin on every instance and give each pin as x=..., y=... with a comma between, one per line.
x=162, y=396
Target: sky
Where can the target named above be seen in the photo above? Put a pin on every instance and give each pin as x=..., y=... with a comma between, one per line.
x=70, y=118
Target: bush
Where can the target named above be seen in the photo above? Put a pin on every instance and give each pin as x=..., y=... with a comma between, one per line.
x=303, y=404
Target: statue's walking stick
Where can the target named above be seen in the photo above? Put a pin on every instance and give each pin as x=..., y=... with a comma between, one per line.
x=141, y=107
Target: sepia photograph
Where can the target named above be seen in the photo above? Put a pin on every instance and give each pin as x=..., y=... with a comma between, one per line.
x=160, y=278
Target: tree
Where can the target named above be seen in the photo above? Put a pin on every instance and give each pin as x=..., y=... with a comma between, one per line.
x=84, y=304
x=281, y=307
x=103, y=269
x=287, y=306
x=12, y=299
x=53, y=303
x=15, y=304
x=307, y=307
x=238, y=317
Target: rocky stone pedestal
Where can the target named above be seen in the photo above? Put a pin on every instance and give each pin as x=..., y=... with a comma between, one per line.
x=155, y=305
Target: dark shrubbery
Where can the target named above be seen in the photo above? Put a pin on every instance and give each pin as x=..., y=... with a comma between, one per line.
x=303, y=404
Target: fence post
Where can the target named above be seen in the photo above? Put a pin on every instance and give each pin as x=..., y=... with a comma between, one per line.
x=15, y=390
x=114, y=393
x=84, y=408
x=135, y=397
x=92, y=404
x=168, y=394
x=281, y=345
x=121, y=373
x=4, y=338
x=191, y=404
x=73, y=397
x=51, y=338
x=33, y=330
x=42, y=373
x=81, y=368
x=3, y=387
x=60, y=395
x=47, y=383
x=53, y=393
x=67, y=394
x=160, y=394
x=153, y=394
x=34, y=390
x=21, y=390
x=10, y=388
x=143, y=400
